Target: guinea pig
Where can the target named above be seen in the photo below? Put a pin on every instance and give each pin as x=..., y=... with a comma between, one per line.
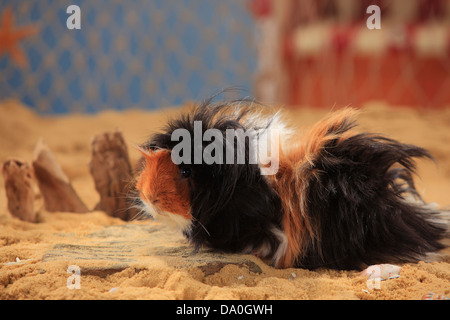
x=339, y=198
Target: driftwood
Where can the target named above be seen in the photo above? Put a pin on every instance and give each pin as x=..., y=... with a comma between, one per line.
x=112, y=172
x=131, y=240
x=55, y=187
x=19, y=189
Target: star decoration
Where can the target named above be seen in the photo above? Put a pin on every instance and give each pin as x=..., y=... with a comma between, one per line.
x=10, y=38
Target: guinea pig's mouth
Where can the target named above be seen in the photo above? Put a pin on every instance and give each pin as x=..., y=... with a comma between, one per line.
x=159, y=211
x=153, y=209
x=150, y=207
x=168, y=218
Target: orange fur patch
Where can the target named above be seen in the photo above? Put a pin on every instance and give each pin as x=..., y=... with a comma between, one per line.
x=296, y=169
x=161, y=183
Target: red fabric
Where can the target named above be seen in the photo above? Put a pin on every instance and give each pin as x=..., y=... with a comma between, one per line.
x=388, y=79
x=260, y=8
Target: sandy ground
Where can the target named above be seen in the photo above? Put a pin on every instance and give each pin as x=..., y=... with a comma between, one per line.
x=143, y=260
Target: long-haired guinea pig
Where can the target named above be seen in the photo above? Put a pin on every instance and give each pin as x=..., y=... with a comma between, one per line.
x=339, y=199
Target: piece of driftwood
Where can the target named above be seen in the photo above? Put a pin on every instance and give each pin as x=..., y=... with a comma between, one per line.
x=55, y=187
x=112, y=172
x=119, y=247
x=18, y=177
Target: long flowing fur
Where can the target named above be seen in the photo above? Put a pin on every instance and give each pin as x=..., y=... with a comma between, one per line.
x=345, y=199
x=233, y=207
x=340, y=198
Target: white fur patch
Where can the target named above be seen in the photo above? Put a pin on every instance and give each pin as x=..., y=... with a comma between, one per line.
x=265, y=249
x=173, y=220
x=282, y=247
x=272, y=133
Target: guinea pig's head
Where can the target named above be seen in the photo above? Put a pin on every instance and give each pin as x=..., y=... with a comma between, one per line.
x=164, y=189
x=224, y=204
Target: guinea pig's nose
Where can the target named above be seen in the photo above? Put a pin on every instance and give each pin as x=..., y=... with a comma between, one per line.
x=154, y=200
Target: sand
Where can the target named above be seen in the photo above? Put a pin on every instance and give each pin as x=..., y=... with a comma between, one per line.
x=144, y=260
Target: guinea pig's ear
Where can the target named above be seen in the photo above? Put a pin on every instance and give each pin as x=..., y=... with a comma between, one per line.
x=145, y=152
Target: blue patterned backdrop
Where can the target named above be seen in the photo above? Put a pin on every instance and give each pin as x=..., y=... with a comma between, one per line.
x=128, y=54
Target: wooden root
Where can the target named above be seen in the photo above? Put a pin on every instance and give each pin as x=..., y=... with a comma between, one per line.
x=112, y=172
x=55, y=187
x=19, y=189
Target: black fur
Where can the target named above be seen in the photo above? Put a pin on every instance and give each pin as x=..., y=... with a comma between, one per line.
x=233, y=206
x=358, y=205
x=356, y=199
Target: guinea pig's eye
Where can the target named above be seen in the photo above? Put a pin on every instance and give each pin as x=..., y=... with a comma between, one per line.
x=186, y=172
